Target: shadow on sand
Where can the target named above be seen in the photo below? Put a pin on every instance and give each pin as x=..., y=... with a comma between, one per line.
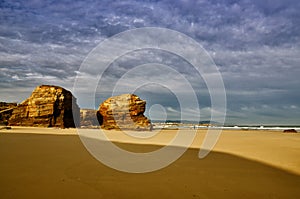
x=52, y=166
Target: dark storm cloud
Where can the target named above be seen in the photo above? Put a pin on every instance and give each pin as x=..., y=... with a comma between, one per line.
x=254, y=43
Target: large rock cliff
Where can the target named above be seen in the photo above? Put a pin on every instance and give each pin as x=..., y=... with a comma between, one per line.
x=123, y=112
x=48, y=106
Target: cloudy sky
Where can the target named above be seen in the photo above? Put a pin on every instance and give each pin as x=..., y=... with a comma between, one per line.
x=255, y=45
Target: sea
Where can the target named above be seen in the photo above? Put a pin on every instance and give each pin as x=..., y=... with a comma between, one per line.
x=214, y=125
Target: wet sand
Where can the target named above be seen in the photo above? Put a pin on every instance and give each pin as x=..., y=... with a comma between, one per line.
x=53, y=163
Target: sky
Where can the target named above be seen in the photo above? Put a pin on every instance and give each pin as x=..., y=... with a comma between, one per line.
x=255, y=45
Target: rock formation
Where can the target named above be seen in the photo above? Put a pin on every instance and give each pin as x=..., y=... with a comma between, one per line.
x=88, y=118
x=6, y=110
x=123, y=112
x=290, y=131
x=48, y=106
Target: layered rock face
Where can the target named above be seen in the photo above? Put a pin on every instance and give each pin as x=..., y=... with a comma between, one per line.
x=123, y=112
x=48, y=106
x=88, y=118
x=6, y=110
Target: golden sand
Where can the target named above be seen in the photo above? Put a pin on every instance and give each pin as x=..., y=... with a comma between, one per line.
x=53, y=163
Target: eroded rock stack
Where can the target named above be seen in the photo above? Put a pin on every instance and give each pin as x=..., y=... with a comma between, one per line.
x=6, y=110
x=123, y=112
x=48, y=106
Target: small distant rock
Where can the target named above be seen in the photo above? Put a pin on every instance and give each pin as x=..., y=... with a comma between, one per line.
x=48, y=106
x=123, y=112
x=5, y=127
x=290, y=131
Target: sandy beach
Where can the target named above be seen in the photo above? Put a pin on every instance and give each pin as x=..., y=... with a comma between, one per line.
x=53, y=163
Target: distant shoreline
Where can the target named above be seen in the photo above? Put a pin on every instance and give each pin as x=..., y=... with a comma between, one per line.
x=166, y=127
